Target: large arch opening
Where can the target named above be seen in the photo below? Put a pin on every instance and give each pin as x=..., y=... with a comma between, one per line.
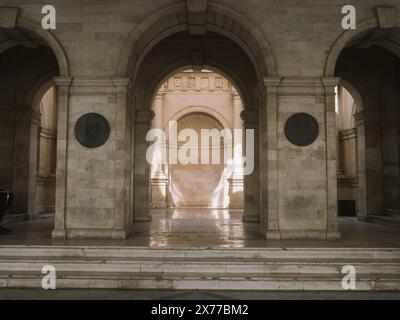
x=150, y=63
x=28, y=122
x=198, y=111
x=369, y=65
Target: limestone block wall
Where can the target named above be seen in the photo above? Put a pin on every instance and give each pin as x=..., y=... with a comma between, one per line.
x=302, y=171
x=95, y=193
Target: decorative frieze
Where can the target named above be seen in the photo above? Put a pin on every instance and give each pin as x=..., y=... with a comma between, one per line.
x=191, y=82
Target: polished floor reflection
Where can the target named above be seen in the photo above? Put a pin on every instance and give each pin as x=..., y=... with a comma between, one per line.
x=206, y=228
x=198, y=227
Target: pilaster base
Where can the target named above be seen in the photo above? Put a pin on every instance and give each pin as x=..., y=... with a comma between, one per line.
x=59, y=234
x=90, y=234
x=302, y=235
x=143, y=219
x=273, y=235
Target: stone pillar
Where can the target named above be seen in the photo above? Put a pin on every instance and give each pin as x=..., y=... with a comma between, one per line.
x=299, y=182
x=331, y=168
x=236, y=183
x=62, y=87
x=252, y=181
x=93, y=184
x=269, y=160
x=159, y=181
x=361, y=166
x=123, y=126
x=141, y=211
x=373, y=161
x=25, y=161
x=390, y=157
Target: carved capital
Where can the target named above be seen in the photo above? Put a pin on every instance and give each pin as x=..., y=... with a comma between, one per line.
x=271, y=84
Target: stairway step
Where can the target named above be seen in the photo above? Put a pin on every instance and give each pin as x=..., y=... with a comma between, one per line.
x=200, y=266
x=392, y=212
x=216, y=281
x=224, y=269
x=231, y=254
x=385, y=218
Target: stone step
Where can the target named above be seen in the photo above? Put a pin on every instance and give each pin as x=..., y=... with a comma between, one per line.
x=239, y=269
x=388, y=215
x=391, y=211
x=14, y=218
x=201, y=267
x=384, y=218
x=195, y=253
x=195, y=281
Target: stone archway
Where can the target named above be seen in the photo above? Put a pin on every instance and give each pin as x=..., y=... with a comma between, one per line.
x=385, y=18
x=57, y=72
x=378, y=171
x=156, y=49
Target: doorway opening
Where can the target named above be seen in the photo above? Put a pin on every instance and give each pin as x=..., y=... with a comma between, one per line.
x=368, y=123
x=199, y=165
x=28, y=123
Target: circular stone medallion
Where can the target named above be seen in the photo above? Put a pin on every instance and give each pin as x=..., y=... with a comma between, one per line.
x=92, y=130
x=301, y=129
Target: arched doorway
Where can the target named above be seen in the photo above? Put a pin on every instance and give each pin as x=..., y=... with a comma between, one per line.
x=29, y=59
x=348, y=108
x=194, y=107
x=143, y=98
x=249, y=62
x=370, y=68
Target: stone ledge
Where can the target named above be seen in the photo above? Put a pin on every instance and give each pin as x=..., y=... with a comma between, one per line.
x=303, y=235
x=113, y=234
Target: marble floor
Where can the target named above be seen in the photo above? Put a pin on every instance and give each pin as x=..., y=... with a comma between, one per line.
x=206, y=228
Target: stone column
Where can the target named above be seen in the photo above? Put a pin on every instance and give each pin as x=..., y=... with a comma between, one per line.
x=252, y=181
x=269, y=160
x=361, y=167
x=25, y=159
x=62, y=87
x=123, y=121
x=93, y=184
x=236, y=183
x=331, y=167
x=390, y=157
x=373, y=161
x=141, y=211
x=300, y=180
x=159, y=181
